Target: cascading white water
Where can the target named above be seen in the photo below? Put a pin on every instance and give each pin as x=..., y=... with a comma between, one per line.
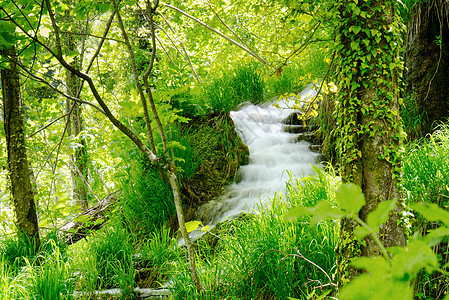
x=272, y=152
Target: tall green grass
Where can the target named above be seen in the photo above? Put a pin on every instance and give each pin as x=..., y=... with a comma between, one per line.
x=146, y=201
x=426, y=179
x=412, y=118
x=260, y=257
x=244, y=84
x=27, y=275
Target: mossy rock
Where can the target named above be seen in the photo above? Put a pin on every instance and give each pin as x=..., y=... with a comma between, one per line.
x=220, y=152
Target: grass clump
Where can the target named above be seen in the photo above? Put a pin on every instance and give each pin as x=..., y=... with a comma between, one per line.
x=261, y=257
x=412, y=118
x=244, y=84
x=29, y=274
x=147, y=201
x=426, y=179
x=112, y=252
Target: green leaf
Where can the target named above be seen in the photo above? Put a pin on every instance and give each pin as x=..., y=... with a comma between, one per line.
x=380, y=215
x=432, y=212
x=376, y=287
x=411, y=259
x=360, y=232
x=192, y=225
x=324, y=210
x=356, y=29
x=436, y=235
x=296, y=212
x=374, y=265
x=350, y=198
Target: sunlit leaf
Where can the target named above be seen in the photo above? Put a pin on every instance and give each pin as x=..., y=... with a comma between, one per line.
x=380, y=215
x=350, y=198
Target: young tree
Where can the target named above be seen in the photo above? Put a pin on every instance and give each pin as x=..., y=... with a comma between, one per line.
x=368, y=47
x=19, y=171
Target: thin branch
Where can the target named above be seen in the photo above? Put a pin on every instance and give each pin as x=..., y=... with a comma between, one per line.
x=217, y=32
x=171, y=40
x=92, y=35
x=150, y=20
x=72, y=163
x=165, y=50
x=183, y=48
x=143, y=99
x=40, y=79
x=101, y=178
x=227, y=26
x=301, y=48
x=299, y=255
x=46, y=126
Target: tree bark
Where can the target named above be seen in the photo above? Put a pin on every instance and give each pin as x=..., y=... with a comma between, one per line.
x=368, y=122
x=427, y=61
x=22, y=191
x=75, y=126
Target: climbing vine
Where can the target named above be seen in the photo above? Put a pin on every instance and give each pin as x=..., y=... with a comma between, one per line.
x=368, y=43
x=369, y=134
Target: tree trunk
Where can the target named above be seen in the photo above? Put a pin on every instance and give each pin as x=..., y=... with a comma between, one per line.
x=427, y=61
x=75, y=126
x=22, y=191
x=368, y=120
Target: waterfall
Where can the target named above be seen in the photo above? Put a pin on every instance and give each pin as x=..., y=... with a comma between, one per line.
x=273, y=151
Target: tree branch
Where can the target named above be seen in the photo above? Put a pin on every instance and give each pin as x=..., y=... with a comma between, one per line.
x=217, y=32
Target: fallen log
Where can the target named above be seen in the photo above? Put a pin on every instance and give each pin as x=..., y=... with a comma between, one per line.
x=117, y=294
x=87, y=221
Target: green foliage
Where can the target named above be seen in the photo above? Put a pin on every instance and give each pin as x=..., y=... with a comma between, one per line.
x=24, y=275
x=51, y=280
x=412, y=118
x=427, y=185
x=368, y=59
x=288, y=82
x=426, y=169
x=112, y=252
x=244, y=84
x=389, y=275
x=265, y=256
x=147, y=201
x=158, y=253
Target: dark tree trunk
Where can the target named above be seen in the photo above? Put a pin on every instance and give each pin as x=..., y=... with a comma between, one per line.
x=427, y=61
x=22, y=191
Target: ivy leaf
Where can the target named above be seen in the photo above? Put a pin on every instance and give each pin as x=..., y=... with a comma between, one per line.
x=432, y=212
x=350, y=198
x=380, y=215
x=356, y=29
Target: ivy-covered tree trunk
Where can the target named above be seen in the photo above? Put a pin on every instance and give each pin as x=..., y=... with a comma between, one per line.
x=427, y=61
x=368, y=122
x=19, y=172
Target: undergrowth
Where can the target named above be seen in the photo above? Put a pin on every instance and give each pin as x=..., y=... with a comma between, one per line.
x=262, y=257
x=426, y=179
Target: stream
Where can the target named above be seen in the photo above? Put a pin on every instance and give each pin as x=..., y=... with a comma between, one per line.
x=273, y=151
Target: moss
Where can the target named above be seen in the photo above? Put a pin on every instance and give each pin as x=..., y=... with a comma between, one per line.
x=220, y=152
